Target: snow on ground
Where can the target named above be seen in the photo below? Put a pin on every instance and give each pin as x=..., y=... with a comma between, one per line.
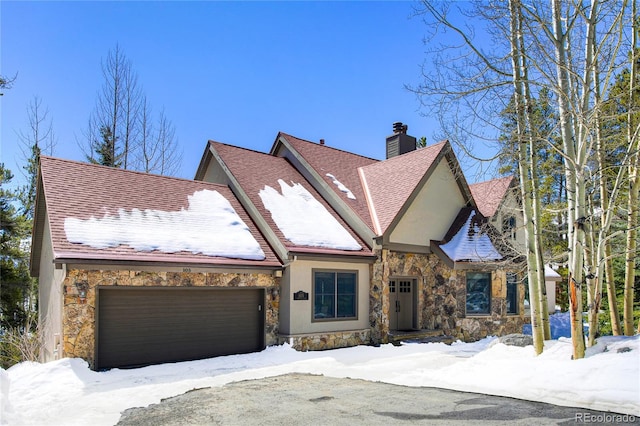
x=559, y=323
x=209, y=214
x=66, y=392
x=304, y=220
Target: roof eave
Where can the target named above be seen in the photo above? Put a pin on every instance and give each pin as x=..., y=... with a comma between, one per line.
x=37, y=230
x=204, y=162
x=463, y=265
x=305, y=253
x=166, y=261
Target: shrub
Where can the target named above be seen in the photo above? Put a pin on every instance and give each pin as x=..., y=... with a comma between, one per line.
x=20, y=344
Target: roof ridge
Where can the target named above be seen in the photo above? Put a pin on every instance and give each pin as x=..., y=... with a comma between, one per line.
x=239, y=147
x=429, y=149
x=327, y=146
x=117, y=169
x=500, y=178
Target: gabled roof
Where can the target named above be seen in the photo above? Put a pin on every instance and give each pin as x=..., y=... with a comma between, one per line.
x=489, y=195
x=390, y=184
x=254, y=171
x=333, y=165
x=73, y=193
x=467, y=242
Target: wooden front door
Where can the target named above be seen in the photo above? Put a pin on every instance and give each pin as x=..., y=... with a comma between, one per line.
x=401, y=303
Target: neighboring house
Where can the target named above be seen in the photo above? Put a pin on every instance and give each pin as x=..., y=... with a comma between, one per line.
x=499, y=201
x=306, y=244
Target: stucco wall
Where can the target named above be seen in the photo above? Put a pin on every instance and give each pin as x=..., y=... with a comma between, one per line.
x=50, y=300
x=430, y=215
x=78, y=322
x=299, y=277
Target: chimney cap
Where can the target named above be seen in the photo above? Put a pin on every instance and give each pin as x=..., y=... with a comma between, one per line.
x=398, y=127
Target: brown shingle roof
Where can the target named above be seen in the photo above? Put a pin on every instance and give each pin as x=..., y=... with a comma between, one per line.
x=490, y=194
x=80, y=190
x=341, y=164
x=391, y=182
x=254, y=170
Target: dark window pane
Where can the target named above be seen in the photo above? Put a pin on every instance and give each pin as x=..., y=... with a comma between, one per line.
x=324, y=296
x=512, y=293
x=334, y=295
x=325, y=282
x=478, y=292
x=346, y=283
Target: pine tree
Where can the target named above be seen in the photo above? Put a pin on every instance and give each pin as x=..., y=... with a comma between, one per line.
x=14, y=272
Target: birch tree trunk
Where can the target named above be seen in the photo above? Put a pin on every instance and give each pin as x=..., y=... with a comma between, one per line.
x=575, y=183
x=633, y=138
x=525, y=162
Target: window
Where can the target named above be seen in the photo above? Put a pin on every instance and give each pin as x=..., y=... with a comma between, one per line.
x=478, y=292
x=334, y=295
x=512, y=293
x=509, y=227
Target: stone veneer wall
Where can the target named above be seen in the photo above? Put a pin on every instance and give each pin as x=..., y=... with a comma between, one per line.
x=329, y=340
x=78, y=322
x=442, y=298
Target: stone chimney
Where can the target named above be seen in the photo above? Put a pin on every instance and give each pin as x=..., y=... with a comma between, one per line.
x=400, y=143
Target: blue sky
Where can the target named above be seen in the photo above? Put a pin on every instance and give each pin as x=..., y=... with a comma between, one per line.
x=234, y=72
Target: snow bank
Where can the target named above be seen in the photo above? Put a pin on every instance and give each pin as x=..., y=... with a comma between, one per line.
x=66, y=392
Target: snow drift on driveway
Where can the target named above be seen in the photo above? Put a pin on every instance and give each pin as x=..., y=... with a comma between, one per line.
x=66, y=392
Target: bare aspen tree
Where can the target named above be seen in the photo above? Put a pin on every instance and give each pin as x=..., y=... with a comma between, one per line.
x=633, y=140
x=120, y=131
x=526, y=182
x=479, y=84
x=158, y=151
x=38, y=139
x=574, y=50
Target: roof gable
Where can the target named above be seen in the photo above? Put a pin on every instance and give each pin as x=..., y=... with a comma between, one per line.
x=489, y=195
x=391, y=184
x=263, y=174
x=337, y=168
x=467, y=242
x=100, y=213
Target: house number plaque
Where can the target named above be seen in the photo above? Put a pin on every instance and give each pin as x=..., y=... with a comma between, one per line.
x=300, y=295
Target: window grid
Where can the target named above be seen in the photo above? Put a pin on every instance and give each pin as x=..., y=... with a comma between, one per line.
x=335, y=295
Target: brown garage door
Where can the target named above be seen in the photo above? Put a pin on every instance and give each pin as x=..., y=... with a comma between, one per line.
x=150, y=325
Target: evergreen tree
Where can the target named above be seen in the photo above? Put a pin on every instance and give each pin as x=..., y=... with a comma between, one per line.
x=14, y=272
x=106, y=152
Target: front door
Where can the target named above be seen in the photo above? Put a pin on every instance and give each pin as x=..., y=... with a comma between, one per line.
x=401, y=303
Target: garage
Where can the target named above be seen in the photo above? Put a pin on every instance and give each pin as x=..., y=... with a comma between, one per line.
x=138, y=326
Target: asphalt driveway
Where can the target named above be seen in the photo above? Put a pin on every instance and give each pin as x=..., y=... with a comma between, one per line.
x=302, y=399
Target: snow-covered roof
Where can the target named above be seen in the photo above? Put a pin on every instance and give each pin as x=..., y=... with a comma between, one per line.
x=341, y=187
x=209, y=226
x=102, y=213
x=298, y=218
x=550, y=274
x=471, y=243
x=303, y=220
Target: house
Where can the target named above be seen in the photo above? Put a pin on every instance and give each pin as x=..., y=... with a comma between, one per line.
x=306, y=244
x=499, y=201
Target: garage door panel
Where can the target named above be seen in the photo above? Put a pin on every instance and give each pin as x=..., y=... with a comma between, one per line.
x=150, y=325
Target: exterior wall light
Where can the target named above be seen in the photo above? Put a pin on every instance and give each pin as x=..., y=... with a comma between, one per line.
x=81, y=288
